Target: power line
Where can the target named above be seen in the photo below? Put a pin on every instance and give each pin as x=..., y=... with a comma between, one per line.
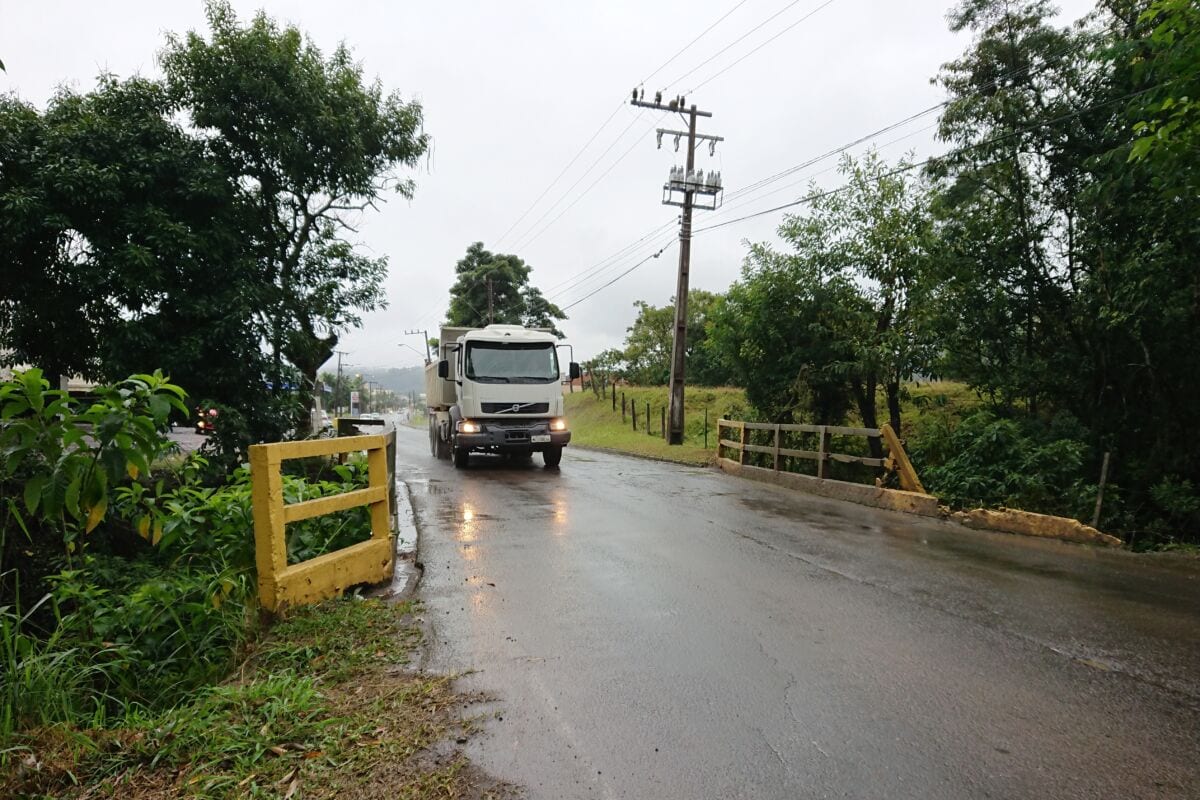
x=658, y=243
x=622, y=275
x=562, y=286
x=898, y=170
x=725, y=69
x=570, y=188
x=692, y=42
x=637, y=140
x=558, y=177
x=732, y=44
x=944, y=157
x=609, y=119
x=893, y=126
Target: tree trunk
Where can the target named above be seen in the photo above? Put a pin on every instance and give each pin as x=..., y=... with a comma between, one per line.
x=864, y=396
x=893, y=404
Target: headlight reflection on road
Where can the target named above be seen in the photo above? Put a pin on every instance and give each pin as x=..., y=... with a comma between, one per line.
x=467, y=531
x=559, y=502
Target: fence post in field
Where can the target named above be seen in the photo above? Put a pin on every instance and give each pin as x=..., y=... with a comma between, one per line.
x=745, y=441
x=664, y=421
x=823, y=452
x=706, y=429
x=777, y=435
x=622, y=406
x=647, y=418
x=633, y=414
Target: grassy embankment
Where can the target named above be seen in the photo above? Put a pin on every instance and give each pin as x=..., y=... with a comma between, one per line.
x=594, y=423
x=322, y=707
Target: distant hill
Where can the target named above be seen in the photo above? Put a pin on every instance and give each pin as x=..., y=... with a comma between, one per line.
x=399, y=380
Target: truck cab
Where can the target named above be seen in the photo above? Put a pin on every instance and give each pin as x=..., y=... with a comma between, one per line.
x=497, y=390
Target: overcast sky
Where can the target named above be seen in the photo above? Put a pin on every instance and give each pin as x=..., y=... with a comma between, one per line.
x=513, y=90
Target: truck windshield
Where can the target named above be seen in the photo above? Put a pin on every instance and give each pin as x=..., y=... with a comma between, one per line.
x=496, y=362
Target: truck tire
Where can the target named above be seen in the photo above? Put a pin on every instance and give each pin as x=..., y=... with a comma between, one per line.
x=462, y=458
x=432, y=438
x=551, y=456
x=441, y=446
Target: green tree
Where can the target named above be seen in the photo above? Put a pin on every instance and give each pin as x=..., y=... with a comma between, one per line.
x=310, y=143
x=1167, y=113
x=875, y=234
x=649, y=343
x=104, y=277
x=1007, y=213
x=494, y=288
x=782, y=329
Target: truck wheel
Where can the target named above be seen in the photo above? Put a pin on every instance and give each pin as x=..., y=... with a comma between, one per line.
x=442, y=446
x=432, y=438
x=552, y=455
x=462, y=458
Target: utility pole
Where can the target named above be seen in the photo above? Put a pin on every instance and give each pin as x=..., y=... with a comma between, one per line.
x=337, y=388
x=694, y=186
x=491, y=316
x=424, y=338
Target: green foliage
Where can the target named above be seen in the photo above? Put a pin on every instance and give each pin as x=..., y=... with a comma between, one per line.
x=62, y=463
x=319, y=707
x=783, y=331
x=985, y=460
x=486, y=280
x=649, y=343
x=1168, y=114
x=234, y=274
x=162, y=600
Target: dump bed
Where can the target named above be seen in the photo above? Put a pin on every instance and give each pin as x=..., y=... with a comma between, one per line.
x=439, y=392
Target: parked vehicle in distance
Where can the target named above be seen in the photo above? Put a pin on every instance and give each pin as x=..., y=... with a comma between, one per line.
x=326, y=422
x=497, y=390
x=206, y=419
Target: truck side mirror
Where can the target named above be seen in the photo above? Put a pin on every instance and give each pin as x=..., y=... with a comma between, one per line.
x=443, y=369
x=575, y=373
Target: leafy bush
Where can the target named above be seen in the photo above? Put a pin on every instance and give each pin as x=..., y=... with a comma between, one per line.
x=162, y=599
x=986, y=460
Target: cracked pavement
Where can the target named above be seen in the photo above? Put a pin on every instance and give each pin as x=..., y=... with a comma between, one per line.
x=655, y=631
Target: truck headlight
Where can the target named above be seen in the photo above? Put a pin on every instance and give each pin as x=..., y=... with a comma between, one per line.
x=558, y=424
x=466, y=426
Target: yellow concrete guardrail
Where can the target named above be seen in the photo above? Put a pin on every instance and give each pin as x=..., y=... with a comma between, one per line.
x=281, y=584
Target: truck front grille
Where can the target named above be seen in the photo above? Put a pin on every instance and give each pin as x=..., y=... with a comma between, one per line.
x=515, y=408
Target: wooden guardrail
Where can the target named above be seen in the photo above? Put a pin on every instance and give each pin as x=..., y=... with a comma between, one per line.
x=281, y=584
x=896, y=460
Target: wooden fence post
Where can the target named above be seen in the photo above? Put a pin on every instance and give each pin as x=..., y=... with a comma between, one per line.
x=622, y=406
x=745, y=441
x=647, y=418
x=823, y=453
x=706, y=432
x=663, y=416
x=633, y=413
x=614, y=399
x=777, y=447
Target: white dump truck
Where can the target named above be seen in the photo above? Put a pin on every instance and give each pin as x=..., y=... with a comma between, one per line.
x=497, y=390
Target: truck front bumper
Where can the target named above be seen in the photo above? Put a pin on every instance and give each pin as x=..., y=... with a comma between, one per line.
x=513, y=436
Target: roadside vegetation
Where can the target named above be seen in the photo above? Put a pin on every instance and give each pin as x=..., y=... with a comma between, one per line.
x=323, y=706
x=134, y=661
x=1044, y=266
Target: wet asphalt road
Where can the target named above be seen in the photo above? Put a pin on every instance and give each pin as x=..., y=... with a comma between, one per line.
x=656, y=631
